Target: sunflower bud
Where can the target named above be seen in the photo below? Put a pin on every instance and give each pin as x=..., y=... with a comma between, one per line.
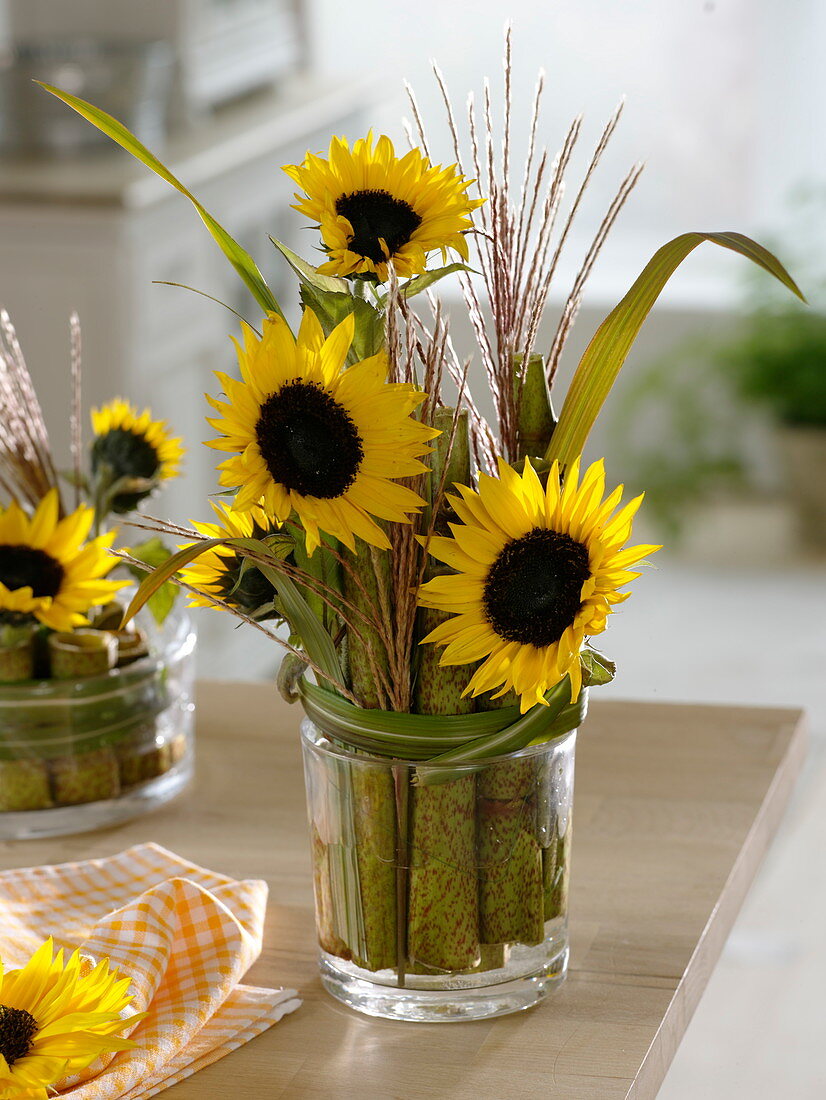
x=131, y=455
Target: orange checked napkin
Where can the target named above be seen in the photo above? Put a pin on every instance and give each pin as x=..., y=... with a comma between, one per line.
x=185, y=935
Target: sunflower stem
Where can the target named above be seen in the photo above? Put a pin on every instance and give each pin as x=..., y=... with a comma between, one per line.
x=442, y=915
x=450, y=464
x=373, y=787
x=535, y=415
x=510, y=858
x=556, y=867
x=17, y=652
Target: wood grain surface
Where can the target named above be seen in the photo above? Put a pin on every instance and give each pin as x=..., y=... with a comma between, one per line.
x=675, y=806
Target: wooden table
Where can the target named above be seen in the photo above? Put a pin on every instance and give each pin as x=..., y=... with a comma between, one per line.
x=675, y=806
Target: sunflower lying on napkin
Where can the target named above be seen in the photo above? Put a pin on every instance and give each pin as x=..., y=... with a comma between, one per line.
x=150, y=991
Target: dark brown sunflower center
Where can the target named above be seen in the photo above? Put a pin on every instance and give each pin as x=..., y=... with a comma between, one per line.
x=26, y=567
x=17, y=1029
x=377, y=215
x=533, y=590
x=308, y=441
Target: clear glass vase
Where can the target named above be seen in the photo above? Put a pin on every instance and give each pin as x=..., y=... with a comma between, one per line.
x=440, y=896
x=80, y=754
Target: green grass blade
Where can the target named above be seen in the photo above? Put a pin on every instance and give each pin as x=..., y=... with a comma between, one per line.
x=342, y=719
x=315, y=641
x=428, y=279
x=612, y=341
x=164, y=572
x=237, y=256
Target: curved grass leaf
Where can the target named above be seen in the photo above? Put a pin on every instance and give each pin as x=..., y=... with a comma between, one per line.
x=612, y=341
x=408, y=736
x=153, y=552
x=203, y=294
x=315, y=640
x=532, y=726
x=446, y=745
x=427, y=279
x=237, y=256
x=164, y=572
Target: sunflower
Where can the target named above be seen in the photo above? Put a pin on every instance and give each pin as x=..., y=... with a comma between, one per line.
x=318, y=440
x=217, y=572
x=537, y=572
x=129, y=444
x=373, y=207
x=56, y=1019
x=46, y=571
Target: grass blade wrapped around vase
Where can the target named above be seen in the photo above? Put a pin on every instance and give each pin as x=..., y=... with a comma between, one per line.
x=444, y=663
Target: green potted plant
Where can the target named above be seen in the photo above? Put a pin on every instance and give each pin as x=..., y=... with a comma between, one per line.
x=780, y=361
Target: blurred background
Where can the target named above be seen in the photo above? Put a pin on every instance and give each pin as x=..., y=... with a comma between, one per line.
x=720, y=413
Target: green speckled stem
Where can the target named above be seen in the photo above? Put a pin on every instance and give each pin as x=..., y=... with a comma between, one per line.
x=442, y=917
x=510, y=859
x=373, y=790
x=442, y=912
x=141, y=759
x=536, y=419
x=443, y=907
x=132, y=646
x=375, y=821
x=24, y=785
x=82, y=653
x=17, y=658
x=85, y=777
x=556, y=873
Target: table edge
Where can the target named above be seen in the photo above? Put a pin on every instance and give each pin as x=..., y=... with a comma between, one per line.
x=692, y=984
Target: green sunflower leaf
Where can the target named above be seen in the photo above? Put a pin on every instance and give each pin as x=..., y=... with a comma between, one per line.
x=153, y=553
x=597, y=669
x=331, y=309
x=237, y=256
x=332, y=299
x=612, y=341
x=308, y=274
x=421, y=282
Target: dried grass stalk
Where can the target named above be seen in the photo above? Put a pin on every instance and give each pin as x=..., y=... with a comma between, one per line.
x=27, y=469
x=517, y=245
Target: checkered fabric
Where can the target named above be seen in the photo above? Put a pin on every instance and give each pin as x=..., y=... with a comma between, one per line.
x=186, y=935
